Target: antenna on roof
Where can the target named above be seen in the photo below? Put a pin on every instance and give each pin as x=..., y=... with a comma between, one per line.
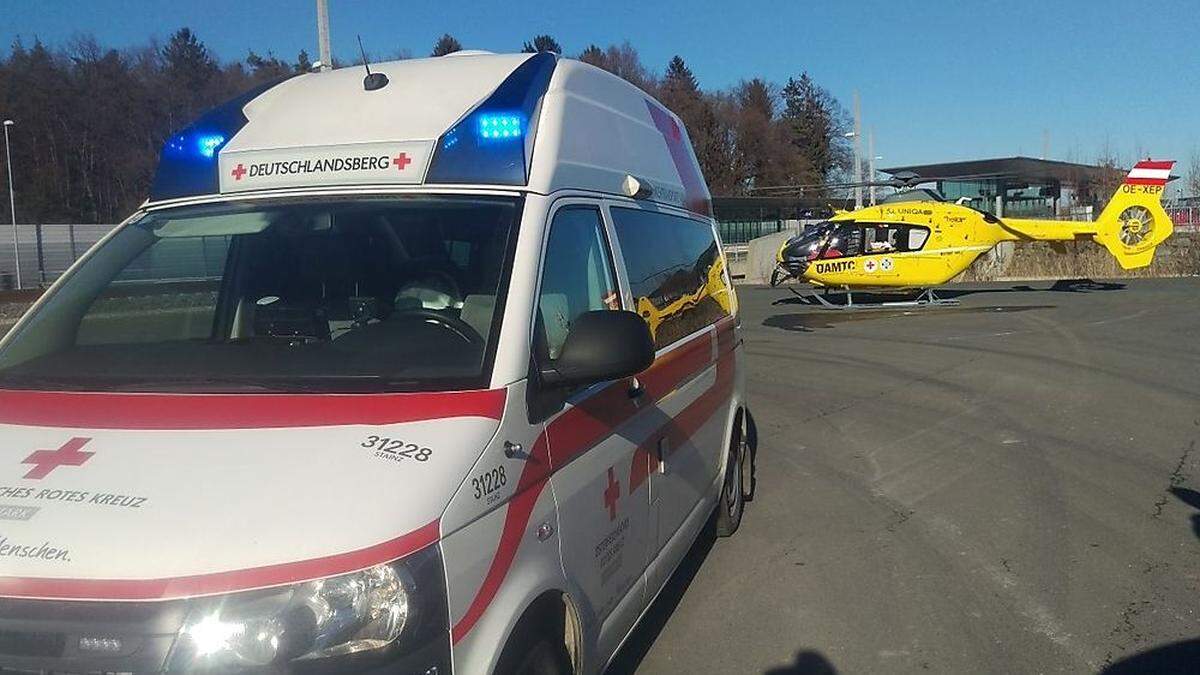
x=372, y=81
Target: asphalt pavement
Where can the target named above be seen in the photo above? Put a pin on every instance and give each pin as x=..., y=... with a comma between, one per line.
x=1011, y=485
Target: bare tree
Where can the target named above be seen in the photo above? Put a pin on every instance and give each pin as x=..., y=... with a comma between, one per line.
x=624, y=62
x=1193, y=180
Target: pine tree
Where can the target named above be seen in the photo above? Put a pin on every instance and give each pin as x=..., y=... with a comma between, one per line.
x=268, y=68
x=542, y=43
x=187, y=61
x=816, y=122
x=593, y=55
x=446, y=44
x=680, y=79
x=303, y=62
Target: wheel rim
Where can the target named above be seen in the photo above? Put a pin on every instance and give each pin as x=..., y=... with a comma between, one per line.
x=747, y=470
x=733, y=482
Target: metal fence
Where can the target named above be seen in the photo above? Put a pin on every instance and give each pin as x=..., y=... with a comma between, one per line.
x=1186, y=218
x=735, y=232
x=46, y=251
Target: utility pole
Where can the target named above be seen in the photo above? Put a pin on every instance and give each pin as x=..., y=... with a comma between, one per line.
x=871, y=155
x=12, y=204
x=323, y=34
x=858, y=191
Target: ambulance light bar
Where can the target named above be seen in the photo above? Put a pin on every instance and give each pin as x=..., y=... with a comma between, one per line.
x=492, y=144
x=188, y=163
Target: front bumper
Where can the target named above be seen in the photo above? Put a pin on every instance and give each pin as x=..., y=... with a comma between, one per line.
x=93, y=638
x=70, y=637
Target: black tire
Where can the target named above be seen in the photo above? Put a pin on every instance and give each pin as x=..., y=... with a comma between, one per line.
x=750, y=463
x=527, y=653
x=733, y=496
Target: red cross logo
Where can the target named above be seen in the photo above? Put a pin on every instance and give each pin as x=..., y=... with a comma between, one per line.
x=401, y=160
x=611, y=494
x=45, y=461
x=238, y=172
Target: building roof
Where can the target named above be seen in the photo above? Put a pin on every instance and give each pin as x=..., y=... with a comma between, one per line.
x=1015, y=168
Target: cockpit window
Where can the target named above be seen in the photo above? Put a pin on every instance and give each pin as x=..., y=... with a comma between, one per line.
x=829, y=240
x=354, y=295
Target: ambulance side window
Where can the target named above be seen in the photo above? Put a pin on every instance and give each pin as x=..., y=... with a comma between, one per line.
x=676, y=272
x=577, y=275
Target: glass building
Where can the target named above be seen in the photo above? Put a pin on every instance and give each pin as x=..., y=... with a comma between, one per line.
x=1018, y=186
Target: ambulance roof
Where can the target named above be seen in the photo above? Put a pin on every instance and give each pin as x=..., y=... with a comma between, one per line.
x=533, y=122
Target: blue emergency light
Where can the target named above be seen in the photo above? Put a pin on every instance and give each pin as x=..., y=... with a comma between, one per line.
x=208, y=144
x=498, y=126
x=493, y=143
x=188, y=163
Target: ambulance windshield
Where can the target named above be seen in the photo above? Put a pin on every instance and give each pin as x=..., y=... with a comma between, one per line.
x=363, y=294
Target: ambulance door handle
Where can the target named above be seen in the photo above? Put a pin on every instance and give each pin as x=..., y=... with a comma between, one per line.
x=636, y=389
x=514, y=451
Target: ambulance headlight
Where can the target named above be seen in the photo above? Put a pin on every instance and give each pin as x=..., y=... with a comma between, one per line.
x=346, y=614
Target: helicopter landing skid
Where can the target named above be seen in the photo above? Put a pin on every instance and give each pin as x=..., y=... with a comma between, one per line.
x=927, y=298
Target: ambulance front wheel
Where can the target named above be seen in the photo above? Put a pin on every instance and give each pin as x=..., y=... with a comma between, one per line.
x=544, y=658
x=530, y=651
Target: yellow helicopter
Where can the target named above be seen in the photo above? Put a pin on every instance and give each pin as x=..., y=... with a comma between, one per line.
x=918, y=241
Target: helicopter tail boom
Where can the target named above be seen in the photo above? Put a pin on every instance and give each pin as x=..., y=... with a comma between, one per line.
x=1132, y=225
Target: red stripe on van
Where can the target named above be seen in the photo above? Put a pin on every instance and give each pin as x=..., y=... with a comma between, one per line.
x=582, y=426
x=220, y=582
x=695, y=194
x=680, y=429
x=238, y=411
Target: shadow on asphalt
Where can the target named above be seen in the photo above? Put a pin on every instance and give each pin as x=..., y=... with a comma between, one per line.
x=652, y=624
x=809, y=321
x=1174, y=659
x=1192, y=499
x=951, y=293
x=806, y=663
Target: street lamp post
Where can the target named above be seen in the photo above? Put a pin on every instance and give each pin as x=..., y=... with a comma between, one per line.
x=857, y=135
x=858, y=191
x=12, y=204
x=874, y=158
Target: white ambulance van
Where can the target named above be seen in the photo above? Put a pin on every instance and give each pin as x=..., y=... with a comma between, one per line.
x=436, y=371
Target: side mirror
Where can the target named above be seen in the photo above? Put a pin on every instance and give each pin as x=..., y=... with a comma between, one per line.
x=602, y=345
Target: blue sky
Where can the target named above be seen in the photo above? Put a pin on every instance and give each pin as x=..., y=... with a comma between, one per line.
x=939, y=80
